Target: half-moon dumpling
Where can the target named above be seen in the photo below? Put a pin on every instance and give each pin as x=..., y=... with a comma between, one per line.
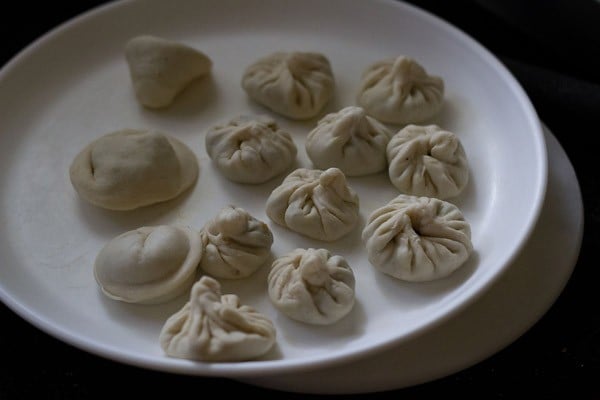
x=318, y=204
x=349, y=140
x=250, y=150
x=131, y=168
x=427, y=161
x=161, y=68
x=149, y=265
x=215, y=327
x=417, y=238
x=312, y=286
x=296, y=85
x=400, y=91
x=235, y=244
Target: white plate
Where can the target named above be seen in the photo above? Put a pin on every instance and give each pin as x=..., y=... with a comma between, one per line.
x=535, y=278
x=73, y=86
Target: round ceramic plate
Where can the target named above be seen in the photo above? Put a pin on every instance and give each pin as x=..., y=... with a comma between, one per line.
x=73, y=86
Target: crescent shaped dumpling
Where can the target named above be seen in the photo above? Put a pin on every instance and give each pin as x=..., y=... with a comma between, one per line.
x=132, y=168
x=149, y=265
x=417, y=238
x=318, y=204
x=295, y=84
x=215, y=327
x=250, y=150
x=160, y=69
x=312, y=286
x=349, y=140
x=399, y=91
x=235, y=244
x=427, y=161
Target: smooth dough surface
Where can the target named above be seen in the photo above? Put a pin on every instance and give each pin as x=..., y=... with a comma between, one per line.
x=417, y=238
x=215, y=327
x=312, y=286
x=294, y=84
x=132, y=168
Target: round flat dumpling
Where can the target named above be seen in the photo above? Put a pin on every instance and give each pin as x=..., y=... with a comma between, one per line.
x=312, y=286
x=349, y=140
x=160, y=68
x=131, y=168
x=250, y=150
x=318, y=204
x=215, y=327
x=417, y=238
x=235, y=244
x=296, y=85
x=149, y=265
x=400, y=91
x=427, y=161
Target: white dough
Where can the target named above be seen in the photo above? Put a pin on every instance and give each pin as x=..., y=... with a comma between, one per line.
x=250, y=150
x=417, y=238
x=312, y=286
x=295, y=84
x=349, y=140
x=318, y=204
x=235, y=244
x=400, y=91
x=160, y=68
x=149, y=265
x=131, y=168
x=215, y=327
x=427, y=161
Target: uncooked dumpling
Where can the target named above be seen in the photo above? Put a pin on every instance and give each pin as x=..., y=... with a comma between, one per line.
x=161, y=68
x=149, y=264
x=235, y=244
x=417, y=238
x=318, y=204
x=215, y=327
x=427, y=161
x=312, y=286
x=400, y=91
x=250, y=150
x=349, y=140
x=131, y=168
x=296, y=85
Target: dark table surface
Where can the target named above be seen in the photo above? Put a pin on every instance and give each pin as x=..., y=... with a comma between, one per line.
x=553, y=49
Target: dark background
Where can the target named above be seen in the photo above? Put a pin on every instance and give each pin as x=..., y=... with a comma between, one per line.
x=553, y=49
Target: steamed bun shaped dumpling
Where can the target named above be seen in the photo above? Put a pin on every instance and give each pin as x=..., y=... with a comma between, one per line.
x=149, y=264
x=427, y=161
x=318, y=204
x=215, y=327
x=160, y=69
x=400, y=91
x=312, y=286
x=132, y=168
x=349, y=140
x=296, y=85
x=235, y=244
x=250, y=149
x=417, y=238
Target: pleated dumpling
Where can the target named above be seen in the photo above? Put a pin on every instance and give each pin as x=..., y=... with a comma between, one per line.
x=349, y=140
x=149, y=264
x=132, y=168
x=318, y=204
x=417, y=238
x=427, y=161
x=250, y=150
x=215, y=327
x=312, y=286
x=235, y=244
x=400, y=91
x=295, y=84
